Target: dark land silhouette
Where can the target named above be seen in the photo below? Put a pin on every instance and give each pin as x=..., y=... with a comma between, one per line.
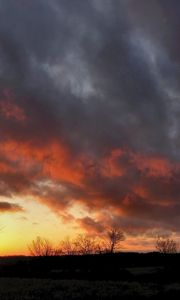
x=131, y=274
x=155, y=267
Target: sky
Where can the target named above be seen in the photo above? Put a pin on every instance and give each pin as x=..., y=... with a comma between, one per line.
x=89, y=120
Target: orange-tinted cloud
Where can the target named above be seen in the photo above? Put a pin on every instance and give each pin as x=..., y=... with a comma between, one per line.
x=139, y=192
x=10, y=207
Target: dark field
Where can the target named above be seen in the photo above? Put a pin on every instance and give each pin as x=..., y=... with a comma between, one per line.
x=118, y=276
x=26, y=289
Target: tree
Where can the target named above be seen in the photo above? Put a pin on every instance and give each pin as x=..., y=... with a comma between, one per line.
x=101, y=246
x=114, y=237
x=166, y=245
x=67, y=247
x=41, y=247
x=84, y=245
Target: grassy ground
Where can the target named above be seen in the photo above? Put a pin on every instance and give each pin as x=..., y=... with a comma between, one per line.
x=37, y=289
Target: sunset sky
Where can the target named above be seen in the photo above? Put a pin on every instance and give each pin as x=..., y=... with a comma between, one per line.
x=89, y=120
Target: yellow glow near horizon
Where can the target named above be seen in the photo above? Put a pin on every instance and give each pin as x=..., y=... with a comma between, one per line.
x=19, y=229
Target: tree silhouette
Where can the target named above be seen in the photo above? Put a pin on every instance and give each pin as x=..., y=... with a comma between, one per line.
x=41, y=247
x=84, y=244
x=67, y=247
x=114, y=237
x=166, y=245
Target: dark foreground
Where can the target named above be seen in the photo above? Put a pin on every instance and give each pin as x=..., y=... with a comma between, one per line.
x=48, y=289
x=118, y=276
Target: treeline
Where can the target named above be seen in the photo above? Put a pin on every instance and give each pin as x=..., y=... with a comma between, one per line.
x=81, y=245
x=85, y=245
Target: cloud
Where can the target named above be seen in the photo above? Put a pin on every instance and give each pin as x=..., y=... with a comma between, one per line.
x=10, y=110
x=10, y=207
x=89, y=109
x=90, y=225
x=124, y=187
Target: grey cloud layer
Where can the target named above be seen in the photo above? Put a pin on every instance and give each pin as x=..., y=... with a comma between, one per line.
x=101, y=74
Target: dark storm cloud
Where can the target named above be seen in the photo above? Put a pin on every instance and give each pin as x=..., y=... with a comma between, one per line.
x=92, y=76
x=77, y=71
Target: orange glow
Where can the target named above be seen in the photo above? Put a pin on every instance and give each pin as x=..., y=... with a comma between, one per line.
x=54, y=159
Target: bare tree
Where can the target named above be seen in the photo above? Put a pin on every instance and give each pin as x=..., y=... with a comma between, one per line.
x=57, y=252
x=41, y=247
x=67, y=246
x=84, y=245
x=101, y=247
x=114, y=237
x=166, y=245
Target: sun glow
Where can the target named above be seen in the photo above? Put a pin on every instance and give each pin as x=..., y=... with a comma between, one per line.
x=36, y=220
